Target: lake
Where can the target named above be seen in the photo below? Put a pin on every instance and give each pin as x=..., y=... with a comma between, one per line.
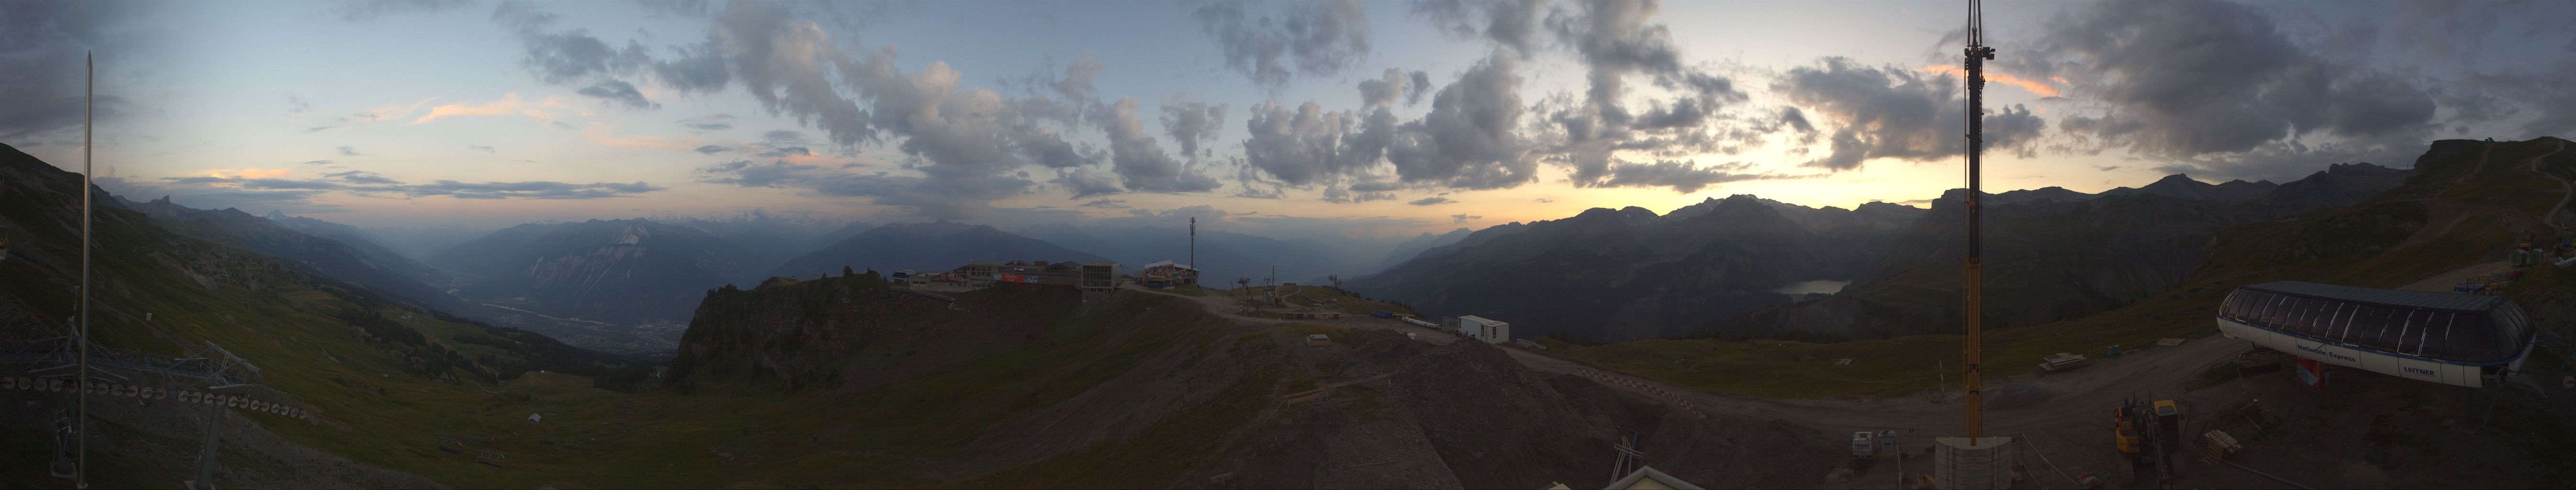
x=1812, y=287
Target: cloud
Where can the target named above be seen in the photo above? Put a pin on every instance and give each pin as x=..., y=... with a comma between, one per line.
x=1141, y=163
x=528, y=190
x=1086, y=183
x=1462, y=218
x=713, y=149
x=2187, y=79
x=1104, y=204
x=1307, y=38
x=372, y=10
x=509, y=103
x=619, y=92
x=265, y=189
x=1683, y=176
x=566, y=56
x=747, y=174
x=716, y=122
x=2034, y=87
x=781, y=136
x=1890, y=112
x=1395, y=83
x=1343, y=194
x=349, y=151
x=1468, y=140
x=480, y=148
x=1428, y=201
x=1189, y=123
x=1676, y=113
x=1544, y=200
x=1512, y=24
x=44, y=45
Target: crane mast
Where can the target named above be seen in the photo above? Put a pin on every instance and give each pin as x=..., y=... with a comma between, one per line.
x=1976, y=54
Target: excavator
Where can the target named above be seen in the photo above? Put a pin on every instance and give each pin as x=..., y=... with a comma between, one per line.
x=2149, y=433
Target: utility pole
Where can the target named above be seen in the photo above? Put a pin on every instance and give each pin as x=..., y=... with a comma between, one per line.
x=1976, y=53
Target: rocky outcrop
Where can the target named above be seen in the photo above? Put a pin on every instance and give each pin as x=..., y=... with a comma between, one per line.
x=851, y=333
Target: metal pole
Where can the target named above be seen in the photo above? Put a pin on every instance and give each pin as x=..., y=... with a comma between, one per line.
x=89, y=118
x=1194, y=250
x=1976, y=54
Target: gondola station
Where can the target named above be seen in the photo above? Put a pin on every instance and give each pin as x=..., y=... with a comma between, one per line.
x=2460, y=339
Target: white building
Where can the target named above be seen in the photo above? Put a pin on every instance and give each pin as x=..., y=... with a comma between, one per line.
x=1479, y=328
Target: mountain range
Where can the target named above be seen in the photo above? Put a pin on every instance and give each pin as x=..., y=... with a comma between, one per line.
x=1709, y=269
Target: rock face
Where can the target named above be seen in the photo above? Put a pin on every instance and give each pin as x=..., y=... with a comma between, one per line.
x=617, y=271
x=1631, y=274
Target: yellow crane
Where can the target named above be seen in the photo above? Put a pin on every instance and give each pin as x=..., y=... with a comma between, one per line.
x=1976, y=53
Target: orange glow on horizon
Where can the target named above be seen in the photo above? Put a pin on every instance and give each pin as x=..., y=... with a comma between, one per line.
x=2033, y=87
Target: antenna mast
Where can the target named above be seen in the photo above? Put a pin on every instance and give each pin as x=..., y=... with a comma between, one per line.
x=1976, y=54
x=89, y=118
x=1194, y=250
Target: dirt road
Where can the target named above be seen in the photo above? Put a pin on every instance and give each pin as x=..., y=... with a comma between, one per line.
x=2079, y=396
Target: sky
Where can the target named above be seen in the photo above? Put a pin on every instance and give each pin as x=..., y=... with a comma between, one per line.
x=1378, y=118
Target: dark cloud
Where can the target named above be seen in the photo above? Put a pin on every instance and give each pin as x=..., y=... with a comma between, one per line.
x=619, y=92
x=785, y=151
x=1892, y=112
x=1429, y=201
x=1105, y=204
x=1189, y=123
x=349, y=151
x=2184, y=79
x=1462, y=218
x=713, y=149
x=1306, y=38
x=44, y=44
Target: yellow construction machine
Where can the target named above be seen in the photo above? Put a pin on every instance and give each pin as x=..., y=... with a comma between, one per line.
x=2149, y=433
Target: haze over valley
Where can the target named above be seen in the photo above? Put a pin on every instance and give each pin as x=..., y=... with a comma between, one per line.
x=1415, y=244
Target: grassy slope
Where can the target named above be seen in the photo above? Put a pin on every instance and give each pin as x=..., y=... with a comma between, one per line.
x=2352, y=246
